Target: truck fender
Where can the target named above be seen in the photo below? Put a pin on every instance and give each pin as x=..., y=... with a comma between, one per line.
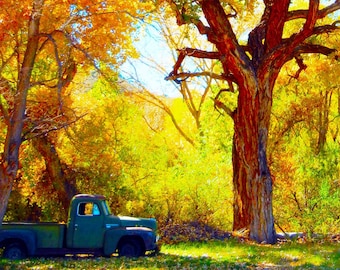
x=111, y=240
x=113, y=237
x=25, y=237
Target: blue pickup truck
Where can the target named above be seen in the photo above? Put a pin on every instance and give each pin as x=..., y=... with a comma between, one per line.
x=91, y=229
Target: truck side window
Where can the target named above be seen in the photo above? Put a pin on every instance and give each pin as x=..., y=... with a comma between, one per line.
x=88, y=209
x=81, y=209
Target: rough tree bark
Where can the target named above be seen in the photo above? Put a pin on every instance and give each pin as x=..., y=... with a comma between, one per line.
x=10, y=157
x=253, y=69
x=252, y=179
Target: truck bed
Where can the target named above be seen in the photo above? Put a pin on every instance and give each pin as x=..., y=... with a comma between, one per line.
x=48, y=234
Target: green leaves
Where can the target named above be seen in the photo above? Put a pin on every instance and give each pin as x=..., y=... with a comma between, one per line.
x=305, y=149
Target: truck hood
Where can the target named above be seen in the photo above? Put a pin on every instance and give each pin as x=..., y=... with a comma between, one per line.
x=138, y=222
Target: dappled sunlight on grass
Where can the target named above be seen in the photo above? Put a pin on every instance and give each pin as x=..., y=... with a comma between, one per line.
x=210, y=255
x=289, y=254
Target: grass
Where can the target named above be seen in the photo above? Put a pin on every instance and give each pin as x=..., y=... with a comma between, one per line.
x=210, y=255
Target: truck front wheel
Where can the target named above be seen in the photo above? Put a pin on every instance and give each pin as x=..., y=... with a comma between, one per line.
x=14, y=251
x=130, y=248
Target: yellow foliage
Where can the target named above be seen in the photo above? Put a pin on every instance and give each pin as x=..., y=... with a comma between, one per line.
x=73, y=35
x=97, y=31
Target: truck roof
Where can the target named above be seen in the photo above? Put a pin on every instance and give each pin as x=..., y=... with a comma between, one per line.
x=89, y=196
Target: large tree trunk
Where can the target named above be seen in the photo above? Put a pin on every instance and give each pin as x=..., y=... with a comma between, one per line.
x=10, y=157
x=242, y=201
x=252, y=179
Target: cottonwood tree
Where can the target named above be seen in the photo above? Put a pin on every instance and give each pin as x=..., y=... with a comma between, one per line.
x=42, y=42
x=251, y=68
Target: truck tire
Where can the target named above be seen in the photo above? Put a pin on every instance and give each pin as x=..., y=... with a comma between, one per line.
x=14, y=251
x=130, y=248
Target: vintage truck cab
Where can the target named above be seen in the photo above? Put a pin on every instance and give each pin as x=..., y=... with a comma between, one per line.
x=91, y=229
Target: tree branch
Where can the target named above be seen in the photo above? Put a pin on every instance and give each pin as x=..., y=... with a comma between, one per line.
x=179, y=77
x=308, y=27
x=276, y=20
x=302, y=14
x=312, y=16
x=4, y=87
x=305, y=48
x=312, y=48
x=302, y=66
x=46, y=126
x=193, y=53
x=160, y=104
x=325, y=29
x=219, y=104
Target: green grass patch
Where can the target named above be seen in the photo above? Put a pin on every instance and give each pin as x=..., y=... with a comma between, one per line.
x=209, y=255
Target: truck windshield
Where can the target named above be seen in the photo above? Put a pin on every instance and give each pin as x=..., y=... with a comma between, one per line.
x=106, y=208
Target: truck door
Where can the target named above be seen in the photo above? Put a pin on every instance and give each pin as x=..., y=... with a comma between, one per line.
x=88, y=226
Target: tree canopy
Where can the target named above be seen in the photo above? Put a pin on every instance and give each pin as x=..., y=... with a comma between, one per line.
x=42, y=45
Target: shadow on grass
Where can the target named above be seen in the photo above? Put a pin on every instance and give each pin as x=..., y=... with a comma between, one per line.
x=161, y=261
x=215, y=255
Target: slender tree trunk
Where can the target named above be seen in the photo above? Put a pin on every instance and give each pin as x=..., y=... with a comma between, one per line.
x=5, y=190
x=323, y=121
x=10, y=158
x=65, y=189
